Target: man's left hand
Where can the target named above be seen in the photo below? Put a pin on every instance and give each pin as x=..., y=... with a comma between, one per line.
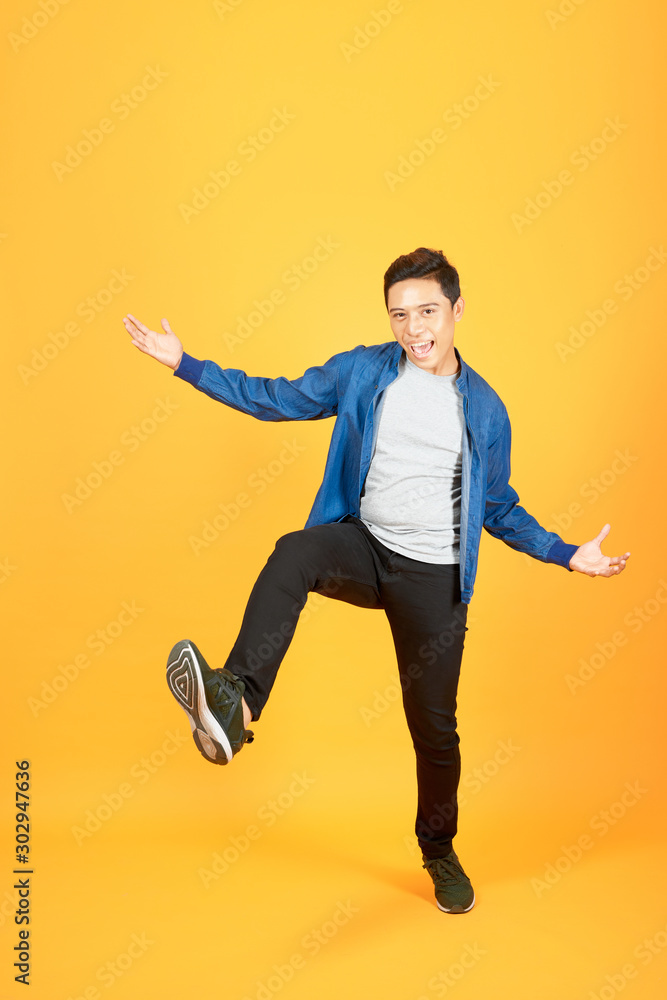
x=588, y=558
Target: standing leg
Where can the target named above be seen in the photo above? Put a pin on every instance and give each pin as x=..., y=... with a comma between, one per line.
x=427, y=618
x=428, y=623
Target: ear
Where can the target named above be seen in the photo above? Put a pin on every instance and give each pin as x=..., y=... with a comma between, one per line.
x=459, y=306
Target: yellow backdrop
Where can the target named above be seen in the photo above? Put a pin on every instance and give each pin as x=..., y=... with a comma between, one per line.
x=248, y=170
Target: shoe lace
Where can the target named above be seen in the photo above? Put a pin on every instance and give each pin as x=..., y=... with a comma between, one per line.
x=445, y=871
x=219, y=691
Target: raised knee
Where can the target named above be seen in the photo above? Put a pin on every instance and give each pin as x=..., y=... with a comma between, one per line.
x=293, y=543
x=289, y=539
x=296, y=548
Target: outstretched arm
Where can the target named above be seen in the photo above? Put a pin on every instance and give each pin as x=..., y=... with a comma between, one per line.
x=312, y=396
x=505, y=519
x=164, y=347
x=588, y=558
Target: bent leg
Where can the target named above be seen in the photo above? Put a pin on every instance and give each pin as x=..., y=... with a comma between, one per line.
x=330, y=559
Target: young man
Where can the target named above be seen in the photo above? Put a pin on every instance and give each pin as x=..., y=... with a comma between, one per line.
x=419, y=463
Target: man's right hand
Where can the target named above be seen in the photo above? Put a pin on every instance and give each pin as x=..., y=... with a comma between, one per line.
x=164, y=347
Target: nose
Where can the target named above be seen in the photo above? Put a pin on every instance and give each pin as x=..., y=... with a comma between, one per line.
x=415, y=325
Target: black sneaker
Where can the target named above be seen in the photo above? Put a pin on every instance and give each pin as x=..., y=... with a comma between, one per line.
x=453, y=891
x=211, y=700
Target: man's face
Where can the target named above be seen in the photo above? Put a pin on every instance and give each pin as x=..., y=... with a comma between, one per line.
x=423, y=320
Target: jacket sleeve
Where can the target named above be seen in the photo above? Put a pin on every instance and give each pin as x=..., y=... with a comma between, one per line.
x=504, y=518
x=312, y=396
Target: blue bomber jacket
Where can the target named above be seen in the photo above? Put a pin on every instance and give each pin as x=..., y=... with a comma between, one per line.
x=350, y=386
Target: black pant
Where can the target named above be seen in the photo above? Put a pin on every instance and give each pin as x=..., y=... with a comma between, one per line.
x=343, y=560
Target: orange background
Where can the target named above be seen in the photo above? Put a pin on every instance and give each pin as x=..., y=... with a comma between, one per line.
x=366, y=91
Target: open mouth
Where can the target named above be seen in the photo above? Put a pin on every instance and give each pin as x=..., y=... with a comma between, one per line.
x=421, y=349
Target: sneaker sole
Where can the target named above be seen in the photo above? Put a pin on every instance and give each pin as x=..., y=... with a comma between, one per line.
x=457, y=908
x=186, y=683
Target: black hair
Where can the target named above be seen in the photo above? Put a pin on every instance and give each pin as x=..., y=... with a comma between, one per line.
x=424, y=263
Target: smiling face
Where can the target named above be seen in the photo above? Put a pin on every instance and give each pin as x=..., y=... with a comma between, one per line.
x=423, y=321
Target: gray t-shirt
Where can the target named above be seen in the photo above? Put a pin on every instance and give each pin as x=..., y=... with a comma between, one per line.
x=412, y=494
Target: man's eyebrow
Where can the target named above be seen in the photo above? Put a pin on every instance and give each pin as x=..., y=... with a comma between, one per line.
x=422, y=306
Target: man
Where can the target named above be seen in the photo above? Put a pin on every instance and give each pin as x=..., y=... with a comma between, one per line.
x=419, y=463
